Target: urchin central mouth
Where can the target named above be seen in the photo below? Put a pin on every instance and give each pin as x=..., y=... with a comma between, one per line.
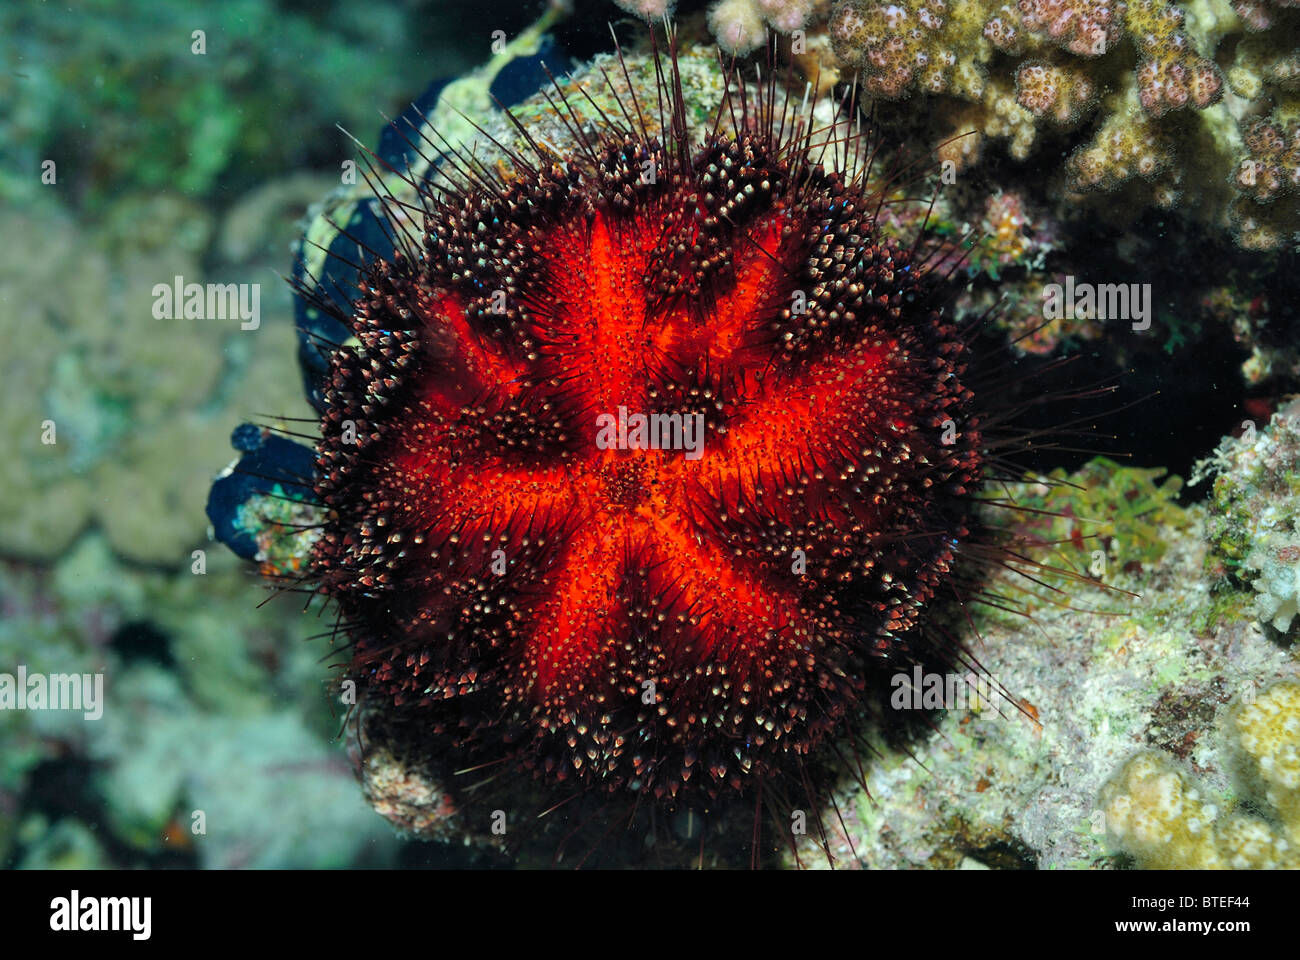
x=625, y=480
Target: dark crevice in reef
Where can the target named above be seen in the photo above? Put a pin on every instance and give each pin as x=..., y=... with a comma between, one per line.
x=142, y=642
x=1181, y=379
x=1008, y=854
x=1169, y=406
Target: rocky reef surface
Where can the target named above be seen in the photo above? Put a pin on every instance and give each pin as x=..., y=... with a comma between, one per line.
x=1166, y=677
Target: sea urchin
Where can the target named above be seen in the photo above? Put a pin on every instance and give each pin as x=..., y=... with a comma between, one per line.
x=641, y=458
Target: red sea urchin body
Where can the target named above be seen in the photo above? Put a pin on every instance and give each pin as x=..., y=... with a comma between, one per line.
x=599, y=604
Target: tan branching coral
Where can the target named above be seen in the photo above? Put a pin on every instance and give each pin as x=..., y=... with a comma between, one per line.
x=1268, y=177
x=1151, y=69
x=1060, y=93
x=1083, y=27
x=741, y=25
x=923, y=44
x=1129, y=144
x=1186, y=104
x=1170, y=74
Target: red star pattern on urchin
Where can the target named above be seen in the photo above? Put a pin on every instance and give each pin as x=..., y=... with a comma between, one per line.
x=639, y=604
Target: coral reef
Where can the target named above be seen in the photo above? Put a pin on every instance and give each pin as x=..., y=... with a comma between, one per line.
x=740, y=26
x=1268, y=174
x=1278, y=561
x=1006, y=788
x=1252, y=529
x=1156, y=812
x=1056, y=91
x=163, y=162
x=926, y=45
x=1128, y=144
x=1141, y=75
x=105, y=392
x=1089, y=676
x=210, y=704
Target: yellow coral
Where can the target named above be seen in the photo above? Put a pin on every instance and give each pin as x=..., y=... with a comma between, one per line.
x=1129, y=144
x=1155, y=811
x=1268, y=731
x=897, y=45
x=1170, y=72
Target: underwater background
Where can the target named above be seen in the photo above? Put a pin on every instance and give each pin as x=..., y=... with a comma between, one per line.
x=168, y=162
